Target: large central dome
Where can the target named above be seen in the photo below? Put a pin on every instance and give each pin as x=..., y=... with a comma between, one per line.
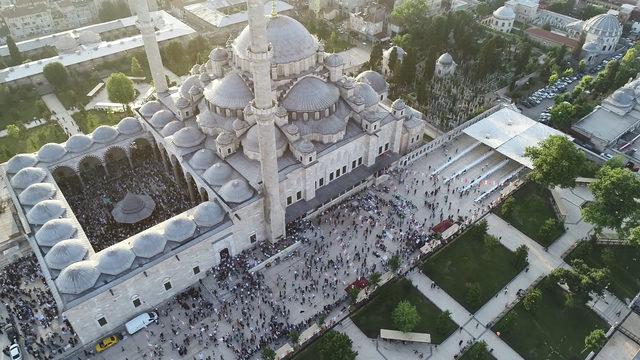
x=289, y=39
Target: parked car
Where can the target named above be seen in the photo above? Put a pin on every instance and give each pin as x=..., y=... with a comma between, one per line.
x=106, y=343
x=140, y=322
x=14, y=352
x=12, y=333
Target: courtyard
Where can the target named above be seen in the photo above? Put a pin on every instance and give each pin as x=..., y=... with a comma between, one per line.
x=473, y=268
x=550, y=330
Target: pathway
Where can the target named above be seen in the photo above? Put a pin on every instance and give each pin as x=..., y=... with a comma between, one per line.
x=61, y=114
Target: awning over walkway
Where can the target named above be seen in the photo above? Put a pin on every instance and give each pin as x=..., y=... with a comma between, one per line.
x=402, y=336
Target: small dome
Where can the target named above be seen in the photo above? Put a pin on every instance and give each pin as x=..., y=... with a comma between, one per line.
x=591, y=46
x=377, y=81
x=622, y=97
x=128, y=126
x=27, y=176
x=398, y=104
x=606, y=25
x=219, y=54
x=44, y=211
x=333, y=60
x=66, y=43
x=115, y=259
x=204, y=78
x=230, y=92
x=291, y=129
x=179, y=228
x=250, y=141
x=182, y=103
x=367, y=93
x=37, y=192
x=161, y=118
x=148, y=244
x=208, y=214
x=400, y=53
x=104, y=134
x=54, y=231
x=51, y=152
x=504, y=13
x=236, y=191
x=239, y=124
x=226, y=138
x=78, y=277
x=148, y=109
x=171, y=128
x=195, y=90
x=281, y=112
x=445, y=59
x=305, y=146
x=311, y=94
x=78, y=143
x=202, y=159
x=20, y=162
x=188, y=83
x=65, y=253
x=89, y=37
x=188, y=137
x=218, y=174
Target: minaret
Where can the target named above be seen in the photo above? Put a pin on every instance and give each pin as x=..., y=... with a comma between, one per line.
x=147, y=29
x=264, y=106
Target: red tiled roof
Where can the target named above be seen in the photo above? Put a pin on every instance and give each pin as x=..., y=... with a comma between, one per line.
x=552, y=37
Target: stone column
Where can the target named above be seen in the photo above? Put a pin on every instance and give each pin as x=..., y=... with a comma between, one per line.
x=148, y=32
x=265, y=107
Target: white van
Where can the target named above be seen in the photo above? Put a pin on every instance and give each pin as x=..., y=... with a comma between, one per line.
x=140, y=322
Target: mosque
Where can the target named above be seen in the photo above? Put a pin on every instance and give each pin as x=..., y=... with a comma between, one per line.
x=267, y=131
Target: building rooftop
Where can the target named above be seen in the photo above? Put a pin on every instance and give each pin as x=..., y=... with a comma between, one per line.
x=605, y=124
x=214, y=11
x=553, y=37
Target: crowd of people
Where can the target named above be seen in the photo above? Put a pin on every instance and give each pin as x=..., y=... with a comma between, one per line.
x=98, y=195
x=30, y=307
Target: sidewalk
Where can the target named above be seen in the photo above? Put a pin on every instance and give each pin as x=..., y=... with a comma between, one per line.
x=61, y=115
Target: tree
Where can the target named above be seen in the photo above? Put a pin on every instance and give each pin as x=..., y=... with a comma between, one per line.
x=615, y=205
x=412, y=15
x=547, y=229
x=136, y=69
x=507, y=207
x=577, y=50
x=376, y=57
x=531, y=299
x=520, y=256
x=595, y=340
x=394, y=263
x=294, y=336
x=13, y=131
x=407, y=69
x=553, y=78
x=582, y=65
x=120, y=88
x=582, y=280
x=634, y=236
x=374, y=279
x=353, y=294
x=479, y=351
x=556, y=162
x=473, y=294
x=268, y=354
x=14, y=52
x=405, y=316
x=490, y=241
x=113, y=10
x=56, y=74
x=334, y=345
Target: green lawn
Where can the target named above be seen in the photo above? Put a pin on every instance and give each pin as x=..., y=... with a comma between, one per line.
x=91, y=119
x=532, y=207
x=551, y=330
x=477, y=352
x=31, y=140
x=470, y=263
x=622, y=261
x=376, y=314
x=21, y=112
x=310, y=352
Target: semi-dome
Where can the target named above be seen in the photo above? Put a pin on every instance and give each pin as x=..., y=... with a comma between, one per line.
x=202, y=159
x=195, y=90
x=603, y=25
x=306, y=146
x=219, y=54
x=179, y=228
x=377, y=81
x=78, y=143
x=623, y=97
x=398, y=104
x=369, y=96
x=115, y=259
x=19, y=162
x=51, y=152
x=171, y=128
x=290, y=40
x=226, y=138
x=188, y=83
x=66, y=43
x=445, y=59
x=311, y=94
x=236, y=191
x=204, y=78
x=238, y=124
x=182, y=103
x=161, y=118
x=333, y=60
x=104, y=134
x=148, y=109
x=230, y=92
x=129, y=125
x=44, y=211
x=78, y=277
x=65, y=253
x=504, y=13
x=37, y=192
x=218, y=174
x=250, y=141
x=208, y=214
x=148, y=244
x=54, y=231
x=188, y=137
x=591, y=46
x=27, y=176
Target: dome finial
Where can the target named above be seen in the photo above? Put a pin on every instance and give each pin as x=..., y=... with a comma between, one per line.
x=274, y=12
